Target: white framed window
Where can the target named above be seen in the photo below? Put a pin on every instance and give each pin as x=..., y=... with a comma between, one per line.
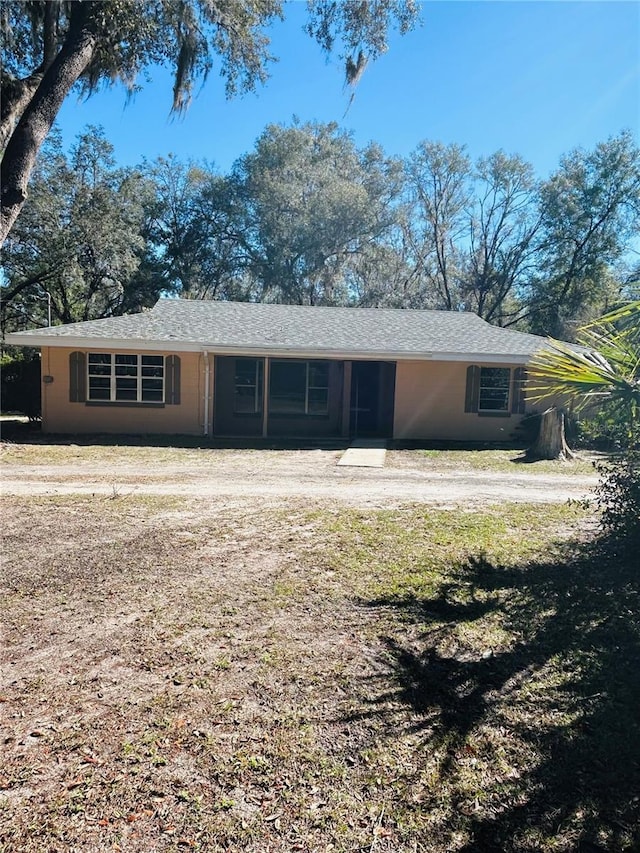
x=120, y=378
x=299, y=387
x=495, y=383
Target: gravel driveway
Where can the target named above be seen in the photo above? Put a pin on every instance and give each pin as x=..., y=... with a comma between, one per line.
x=300, y=474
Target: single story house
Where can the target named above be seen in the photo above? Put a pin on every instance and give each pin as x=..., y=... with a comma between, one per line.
x=264, y=370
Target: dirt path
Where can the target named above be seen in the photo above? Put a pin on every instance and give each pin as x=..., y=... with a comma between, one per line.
x=297, y=474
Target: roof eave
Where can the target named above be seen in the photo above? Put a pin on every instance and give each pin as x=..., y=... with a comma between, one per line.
x=167, y=345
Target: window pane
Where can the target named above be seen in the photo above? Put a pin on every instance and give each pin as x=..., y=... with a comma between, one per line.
x=494, y=389
x=99, y=364
x=126, y=389
x=152, y=389
x=318, y=374
x=496, y=376
x=318, y=401
x=152, y=395
x=127, y=359
x=248, y=386
x=148, y=384
x=494, y=400
x=152, y=371
x=99, y=388
x=287, y=390
x=126, y=370
x=245, y=401
x=99, y=382
x=126, y=382
x=246, y=371
x=153, y=365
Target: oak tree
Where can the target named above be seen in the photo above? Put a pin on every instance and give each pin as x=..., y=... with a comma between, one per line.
x=82, y=240
x=51, y=47
x=590, y=214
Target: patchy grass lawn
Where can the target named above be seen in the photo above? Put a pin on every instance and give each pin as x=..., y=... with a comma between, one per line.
x=150, y=451
x=44, y=452
x=497, y=461
x=179, y=675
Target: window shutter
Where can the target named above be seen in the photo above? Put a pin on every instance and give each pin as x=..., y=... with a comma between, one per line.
x=472, y=394
x=172, y=380
x=518, y=401
x=77, y=377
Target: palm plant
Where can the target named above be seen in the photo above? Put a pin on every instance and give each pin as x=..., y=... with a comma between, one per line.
x=605, y=366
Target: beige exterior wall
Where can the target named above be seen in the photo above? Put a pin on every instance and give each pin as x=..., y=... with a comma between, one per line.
x=429, y=404
x=430, y=399
x=61, y=416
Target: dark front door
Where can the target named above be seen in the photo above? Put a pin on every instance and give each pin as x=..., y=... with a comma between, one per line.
x=371, y=404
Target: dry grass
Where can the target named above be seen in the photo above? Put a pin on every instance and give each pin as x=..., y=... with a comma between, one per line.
x=496, y=461
x=159, y=452
x=183, y=675
x=44, y=451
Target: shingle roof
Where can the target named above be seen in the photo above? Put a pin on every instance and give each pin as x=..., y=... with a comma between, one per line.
x=187, y=325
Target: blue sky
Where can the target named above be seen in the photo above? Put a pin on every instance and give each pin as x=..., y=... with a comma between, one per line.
x=536, y=78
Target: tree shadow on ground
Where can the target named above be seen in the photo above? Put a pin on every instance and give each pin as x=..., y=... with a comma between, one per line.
x=563, y=692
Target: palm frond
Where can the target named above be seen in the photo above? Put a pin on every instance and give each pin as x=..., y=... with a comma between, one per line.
x=624, y=319
x=606, y=363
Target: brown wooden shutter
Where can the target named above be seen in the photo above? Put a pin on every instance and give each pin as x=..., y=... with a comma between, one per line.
x=77, y=377
x=518, y=401
x=172, y=380
x=472, y=394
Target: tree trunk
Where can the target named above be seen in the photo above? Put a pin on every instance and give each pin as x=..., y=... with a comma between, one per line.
x=551, y=442
x=39, y=115
x=16, y=93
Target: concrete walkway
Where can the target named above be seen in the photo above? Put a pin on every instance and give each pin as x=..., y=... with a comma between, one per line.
x=364, y=453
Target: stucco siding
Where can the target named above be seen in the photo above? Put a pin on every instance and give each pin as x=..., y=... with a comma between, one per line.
x=61, y=416
x=430, y=401
x=429, y=404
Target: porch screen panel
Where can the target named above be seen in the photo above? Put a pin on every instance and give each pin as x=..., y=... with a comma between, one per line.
x=299, y=388
x=288, y=388
x=318, y=388
x=248, y=381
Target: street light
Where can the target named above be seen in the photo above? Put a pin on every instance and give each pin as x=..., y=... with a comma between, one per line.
x=48, y=298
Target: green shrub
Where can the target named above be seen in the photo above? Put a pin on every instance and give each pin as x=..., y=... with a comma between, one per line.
x=20, y=389
x=618, y=498
x=604, y=429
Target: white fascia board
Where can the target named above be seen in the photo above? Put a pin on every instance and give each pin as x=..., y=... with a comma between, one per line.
x=342, y=355
x=101, y=344
x=107, y=344
x=484, y=358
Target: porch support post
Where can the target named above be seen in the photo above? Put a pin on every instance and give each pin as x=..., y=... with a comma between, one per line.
x=207, y=382
x=265, y=398
x=346, y=398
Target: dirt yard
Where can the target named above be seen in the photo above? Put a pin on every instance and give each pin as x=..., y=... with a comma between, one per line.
x=226, y=651
x=407, y=477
